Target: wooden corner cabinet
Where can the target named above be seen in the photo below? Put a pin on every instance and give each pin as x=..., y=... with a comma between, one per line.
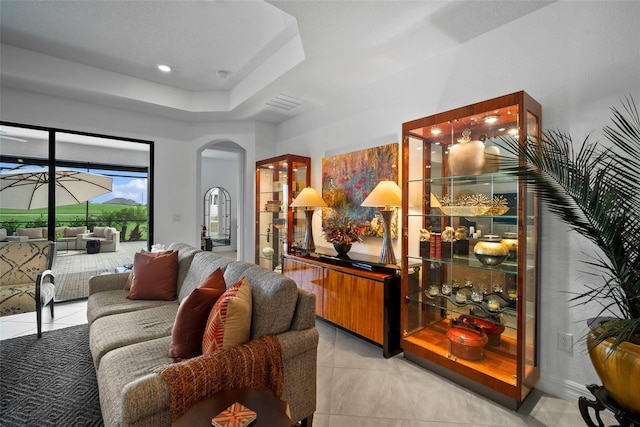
x=278, y=182
x=469, y=308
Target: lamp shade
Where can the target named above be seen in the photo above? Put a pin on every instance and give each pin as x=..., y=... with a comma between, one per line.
x=386, y=193
x=308, y=197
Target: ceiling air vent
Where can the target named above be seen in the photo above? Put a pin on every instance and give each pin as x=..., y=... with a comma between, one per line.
x=285, y=102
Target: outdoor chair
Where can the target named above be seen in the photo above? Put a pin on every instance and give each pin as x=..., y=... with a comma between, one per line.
x=26, y=279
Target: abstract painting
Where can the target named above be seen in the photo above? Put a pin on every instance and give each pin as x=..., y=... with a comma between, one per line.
x=347, y=179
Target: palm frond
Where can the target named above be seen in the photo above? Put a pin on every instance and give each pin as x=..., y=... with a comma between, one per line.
x=595, y=189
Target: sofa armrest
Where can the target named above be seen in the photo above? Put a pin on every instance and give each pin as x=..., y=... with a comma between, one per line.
x=107, y=282
x=294, y=343
x=146, y=401
x=304, y=316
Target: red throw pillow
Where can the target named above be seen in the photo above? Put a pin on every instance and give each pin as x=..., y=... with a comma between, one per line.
x=154, y=277
x=188, y=329
x=229, y=323
x=127, y=284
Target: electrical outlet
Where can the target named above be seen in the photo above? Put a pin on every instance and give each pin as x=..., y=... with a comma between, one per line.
x=565, y=342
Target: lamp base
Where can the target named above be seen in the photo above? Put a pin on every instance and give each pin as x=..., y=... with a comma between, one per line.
x=308, y=245
x=386, y=255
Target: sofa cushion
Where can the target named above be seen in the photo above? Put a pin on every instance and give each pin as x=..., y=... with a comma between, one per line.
x=120, y=330
x=229, y=323
x=235, y=271
x=109, y=232
x=202, y=265
x=106, y=303
x=154, y=276
x=188, y=329
x=185, y=257
x=274, y=301
x=98, y=231
x=31, y=233
x=74, y=231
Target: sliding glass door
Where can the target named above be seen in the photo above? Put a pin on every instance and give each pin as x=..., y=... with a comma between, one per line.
x=96, y=201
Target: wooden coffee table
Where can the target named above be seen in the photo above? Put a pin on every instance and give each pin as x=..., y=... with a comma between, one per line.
x=272, y=412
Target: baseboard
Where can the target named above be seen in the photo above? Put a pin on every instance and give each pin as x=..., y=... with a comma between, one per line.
x=560, y=387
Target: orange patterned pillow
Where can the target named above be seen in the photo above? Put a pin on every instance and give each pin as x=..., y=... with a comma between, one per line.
x=191, y=320
x=229, y=322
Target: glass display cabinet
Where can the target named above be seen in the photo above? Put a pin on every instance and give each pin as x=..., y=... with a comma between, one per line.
x=470, y=308
x=278, y=227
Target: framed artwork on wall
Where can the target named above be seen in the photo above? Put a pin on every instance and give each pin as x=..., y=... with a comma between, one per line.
x=347, y=179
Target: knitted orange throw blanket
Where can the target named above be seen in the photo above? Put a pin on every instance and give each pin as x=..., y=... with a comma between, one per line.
x=257, y=364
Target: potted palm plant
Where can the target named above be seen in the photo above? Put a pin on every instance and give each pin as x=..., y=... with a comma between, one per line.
x=595, y=189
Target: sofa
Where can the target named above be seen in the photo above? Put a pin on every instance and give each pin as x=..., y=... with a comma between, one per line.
x=109, y=238
x=130, y=340
x=71, y=236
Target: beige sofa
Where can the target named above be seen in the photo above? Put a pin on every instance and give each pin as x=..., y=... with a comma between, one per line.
x=71, y=236
x=109, y=238
x=130, y=340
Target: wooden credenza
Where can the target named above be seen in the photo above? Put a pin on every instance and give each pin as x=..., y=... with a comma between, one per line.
x=355, y=293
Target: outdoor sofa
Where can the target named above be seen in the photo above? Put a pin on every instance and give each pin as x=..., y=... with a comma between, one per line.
x=67, y=237
x=108, y=237
x=130, y=342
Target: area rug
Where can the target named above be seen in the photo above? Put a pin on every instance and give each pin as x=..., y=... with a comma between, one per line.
x=49, y=381
x=73, y=286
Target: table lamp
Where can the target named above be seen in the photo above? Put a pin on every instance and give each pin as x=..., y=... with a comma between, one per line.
x=308, y=199
x=387, y=194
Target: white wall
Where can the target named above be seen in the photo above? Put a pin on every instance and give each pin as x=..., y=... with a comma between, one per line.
x=576, y=58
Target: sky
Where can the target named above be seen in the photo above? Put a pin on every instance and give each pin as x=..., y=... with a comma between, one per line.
x=128, y=188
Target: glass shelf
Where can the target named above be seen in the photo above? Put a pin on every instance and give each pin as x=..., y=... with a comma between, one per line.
x=278, y=181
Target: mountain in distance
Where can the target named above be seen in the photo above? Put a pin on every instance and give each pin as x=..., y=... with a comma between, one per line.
x=120, y=201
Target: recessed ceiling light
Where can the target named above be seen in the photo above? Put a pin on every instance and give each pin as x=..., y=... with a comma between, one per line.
x=164, y=68
x=436, y=131
x=491, y=119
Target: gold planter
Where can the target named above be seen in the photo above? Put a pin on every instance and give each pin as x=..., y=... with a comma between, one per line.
x=618, y=370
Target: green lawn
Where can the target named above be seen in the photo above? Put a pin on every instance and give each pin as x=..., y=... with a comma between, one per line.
x=72, y=215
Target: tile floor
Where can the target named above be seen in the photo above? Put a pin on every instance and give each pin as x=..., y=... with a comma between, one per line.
x=357, y=387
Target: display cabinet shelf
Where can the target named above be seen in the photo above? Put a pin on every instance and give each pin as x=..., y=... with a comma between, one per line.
x=471, y=318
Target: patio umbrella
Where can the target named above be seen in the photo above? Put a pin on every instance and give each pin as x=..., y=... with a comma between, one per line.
x=28, y=189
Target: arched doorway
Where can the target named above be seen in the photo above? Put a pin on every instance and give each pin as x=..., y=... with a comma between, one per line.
x=222, y=166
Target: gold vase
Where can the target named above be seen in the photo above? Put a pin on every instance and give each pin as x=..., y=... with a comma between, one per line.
x=619, y=370
x=490, y=250
x=466, y=158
